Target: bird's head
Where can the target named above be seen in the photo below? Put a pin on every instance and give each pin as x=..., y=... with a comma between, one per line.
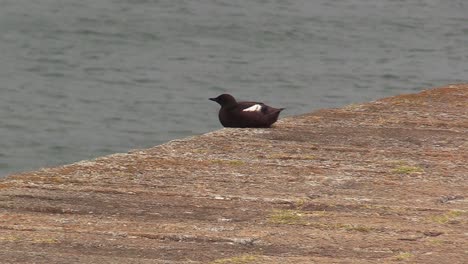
x=224, y=100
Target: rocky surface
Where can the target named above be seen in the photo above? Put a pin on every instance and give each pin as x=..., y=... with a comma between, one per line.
x=385, y=181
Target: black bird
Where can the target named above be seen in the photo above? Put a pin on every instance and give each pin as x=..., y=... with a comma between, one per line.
x=245, y=114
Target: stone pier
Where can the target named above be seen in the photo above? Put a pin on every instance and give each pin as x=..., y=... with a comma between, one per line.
x=379, y=182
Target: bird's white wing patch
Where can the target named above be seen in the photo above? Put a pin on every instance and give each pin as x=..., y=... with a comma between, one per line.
x=253, y=108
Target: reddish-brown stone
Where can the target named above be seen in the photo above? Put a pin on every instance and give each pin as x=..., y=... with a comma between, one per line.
x=385, y=181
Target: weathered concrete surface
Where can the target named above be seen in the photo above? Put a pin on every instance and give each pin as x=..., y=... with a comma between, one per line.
x=385, y=181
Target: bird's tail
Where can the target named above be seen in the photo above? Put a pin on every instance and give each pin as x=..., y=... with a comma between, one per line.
x=275, y=111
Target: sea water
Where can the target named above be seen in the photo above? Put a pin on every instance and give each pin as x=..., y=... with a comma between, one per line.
x=81, y=79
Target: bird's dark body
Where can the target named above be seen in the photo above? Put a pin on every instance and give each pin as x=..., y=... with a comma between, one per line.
x=234, y=114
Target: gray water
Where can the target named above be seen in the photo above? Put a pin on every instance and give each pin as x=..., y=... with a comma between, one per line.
x=81, y=79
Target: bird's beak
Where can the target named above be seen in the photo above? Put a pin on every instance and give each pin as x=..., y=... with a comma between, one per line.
x=212, y=99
